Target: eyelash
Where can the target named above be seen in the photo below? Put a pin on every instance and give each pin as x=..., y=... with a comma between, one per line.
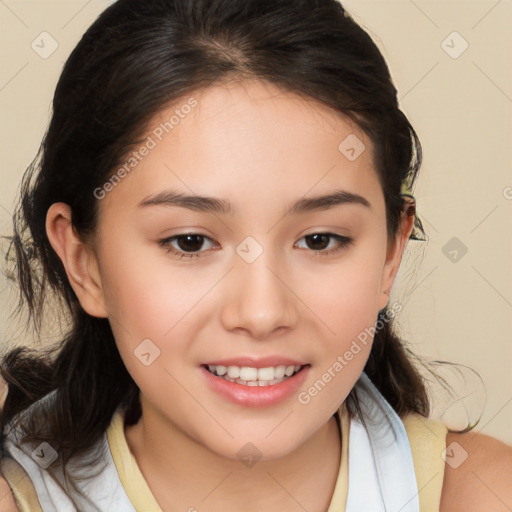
x=343, y=241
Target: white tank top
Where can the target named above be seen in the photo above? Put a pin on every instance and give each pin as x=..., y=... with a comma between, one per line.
x=381, y=475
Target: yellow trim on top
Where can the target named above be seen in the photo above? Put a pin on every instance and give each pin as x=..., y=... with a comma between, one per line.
x=128, y=470
x=143, y=500
x=427, y=438
x=21, y=486
x=339, y=496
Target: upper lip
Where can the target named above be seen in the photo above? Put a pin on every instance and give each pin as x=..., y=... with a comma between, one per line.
x=257, y=362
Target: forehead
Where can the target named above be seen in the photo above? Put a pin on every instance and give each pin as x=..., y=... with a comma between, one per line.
x=253, y=110
x=254, y=99
x=249, y=138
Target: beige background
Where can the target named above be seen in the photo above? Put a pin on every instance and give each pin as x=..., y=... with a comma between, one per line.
x=461, y=107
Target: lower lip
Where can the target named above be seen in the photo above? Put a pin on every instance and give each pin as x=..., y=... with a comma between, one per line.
x=255, y=396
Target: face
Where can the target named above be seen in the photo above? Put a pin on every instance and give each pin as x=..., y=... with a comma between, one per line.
x=275, y=280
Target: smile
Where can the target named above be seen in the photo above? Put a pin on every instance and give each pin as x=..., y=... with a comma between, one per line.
x=249, y=386
x=250, y=376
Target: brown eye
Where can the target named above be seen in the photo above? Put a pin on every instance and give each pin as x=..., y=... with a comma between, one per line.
x=190, y=242
x=318, y=242
x=187, y=245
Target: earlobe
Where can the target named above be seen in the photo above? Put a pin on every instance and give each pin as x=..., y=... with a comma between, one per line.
x=78, y=259
x=394, y=255
x=388, y=273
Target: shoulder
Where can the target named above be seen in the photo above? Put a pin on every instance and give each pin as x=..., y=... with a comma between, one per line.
x=7, y=503
x=478, y=474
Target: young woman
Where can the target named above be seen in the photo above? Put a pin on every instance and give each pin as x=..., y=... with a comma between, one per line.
x=222, y=201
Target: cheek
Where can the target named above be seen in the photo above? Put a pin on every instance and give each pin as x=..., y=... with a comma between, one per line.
x=147, y=312
x=345, y=308
x=344, y=300
x=345, y=296
x=145, y=292
x=150, y=298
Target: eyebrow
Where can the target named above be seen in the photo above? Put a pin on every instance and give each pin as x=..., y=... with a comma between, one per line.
x=223, y=206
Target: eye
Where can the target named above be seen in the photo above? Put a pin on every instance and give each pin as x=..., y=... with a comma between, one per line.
x=189, y=245
x=320, y=241
x=186, y=242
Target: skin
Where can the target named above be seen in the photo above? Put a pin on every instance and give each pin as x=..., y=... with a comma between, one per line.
x=262, y=149
x=482, y=482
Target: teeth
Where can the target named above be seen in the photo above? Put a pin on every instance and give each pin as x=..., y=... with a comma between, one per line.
x=266, y=373
x=289, y=370
x=279, y=372
x=233, y=372
x=260, y=383
x=254, y=376
x=247, y=373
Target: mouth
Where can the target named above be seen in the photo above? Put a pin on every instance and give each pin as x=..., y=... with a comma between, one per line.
x=254, y=377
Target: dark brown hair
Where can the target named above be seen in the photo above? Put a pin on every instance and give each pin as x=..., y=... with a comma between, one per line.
x=137, y=58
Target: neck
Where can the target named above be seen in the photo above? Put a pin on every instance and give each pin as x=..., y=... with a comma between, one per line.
x=182, y=473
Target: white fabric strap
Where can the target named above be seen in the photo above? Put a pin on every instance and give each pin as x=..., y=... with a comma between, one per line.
x=381, y=467
x=101, y=492
x=98, y=491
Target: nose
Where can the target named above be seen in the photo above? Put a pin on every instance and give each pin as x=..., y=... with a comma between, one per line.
x=259, y=298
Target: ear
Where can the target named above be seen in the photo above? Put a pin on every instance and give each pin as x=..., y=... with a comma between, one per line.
x=78, y=259
x=395, y=251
